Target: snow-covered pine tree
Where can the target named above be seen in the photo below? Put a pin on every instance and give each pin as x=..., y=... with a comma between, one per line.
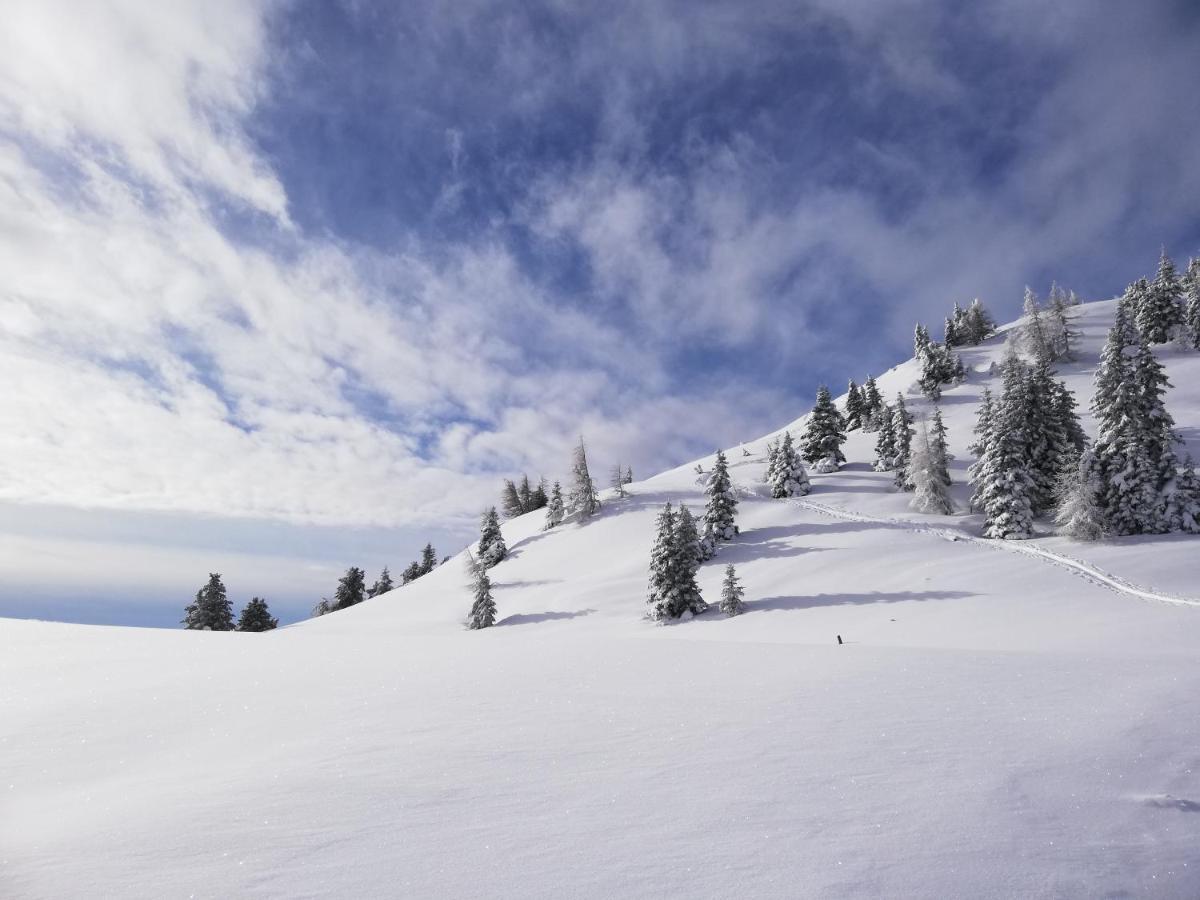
x=324, y=608
x=411, y=574
x=983, y=425
x=732, y=593
x=930, y=361
x=1192, y=310
x=885, y=442
x=854, y=407
x=1183, y=499
x=256, y=617
x=483, y=605
x=950, y=331
x=903, y=433
x=629, y=474
x=664, y=566
x=720, y=509
x=351, y=589
x=540, y=497
x=211, y=610
x=874, y=409
x=691, y=552
x=938, y=445
x=616, y=481
x=1064, y=336
x=582, y=499
x=788, y=477
x=772, y=459
x=382, y=584
x=1003, y=482
x=510, y=501
x=927, y=479
x=429, y=560
x=525, y=493
x=979, y=325
x=1031, y=334
x=825, y=431
x=693, y=548
x=1079, y=513
x=1161, y=305
x=492, y=548
x=554, y=509
x=1160, y=436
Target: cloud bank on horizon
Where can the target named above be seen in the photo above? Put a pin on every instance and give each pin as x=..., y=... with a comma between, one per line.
x=348, y=264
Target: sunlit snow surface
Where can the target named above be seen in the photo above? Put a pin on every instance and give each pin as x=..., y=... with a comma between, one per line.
x=996, y=724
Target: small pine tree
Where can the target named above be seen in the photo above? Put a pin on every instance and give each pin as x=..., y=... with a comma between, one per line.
x=429, y=559
x=902, y=428
x=721, y=508
x=927, y=478
x=324, y=608
x=583, y=499
x=979, y=323
x=788, y=477
x=540, y=497
x=554, y=509
x=211, y=610
x=510, y=501
x=483, y=606
x=1003, y=484
x=950, y=331
x=732, y=593
x=1031, y=335
x=617, y=481
x=664, y=565
x=351, y=589
x=492, y=548
x=874, y=409
x=687, y=538
x=1192, y=310
x=382, y=585
x=854, y=407
x=629, y=474
x=939, y=446
x=525, y=494
x=1161, y=304
x=825, y=431
x=256, y=617
x=1079, y=514
x=411, y=574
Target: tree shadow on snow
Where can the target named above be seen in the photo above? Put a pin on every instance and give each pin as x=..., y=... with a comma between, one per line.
x=548, y=616
x=815, y=600
x=1169, y=802
x=498, y=585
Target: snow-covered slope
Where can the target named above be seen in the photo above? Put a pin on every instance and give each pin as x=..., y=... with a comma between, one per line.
x=1002, y=720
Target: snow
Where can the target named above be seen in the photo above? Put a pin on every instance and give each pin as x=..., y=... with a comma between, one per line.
x=1001, y=721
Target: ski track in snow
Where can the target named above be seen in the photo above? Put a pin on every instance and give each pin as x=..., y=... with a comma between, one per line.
x=1026, y=548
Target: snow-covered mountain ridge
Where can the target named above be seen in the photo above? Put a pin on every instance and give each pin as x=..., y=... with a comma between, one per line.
x=1003, y=719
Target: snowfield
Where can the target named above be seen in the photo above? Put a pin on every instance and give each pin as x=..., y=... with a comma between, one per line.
x=1003, y=720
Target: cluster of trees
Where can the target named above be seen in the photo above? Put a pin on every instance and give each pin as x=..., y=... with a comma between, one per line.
x=893, y=441
x=968, y=327
x=1045, y=332
x=423, y=566
x=1130, y=480
x=518, y=499
x=212, y=611
x=1167, y=307
x=1024, y=440
x=939, y=364
x=864, y=406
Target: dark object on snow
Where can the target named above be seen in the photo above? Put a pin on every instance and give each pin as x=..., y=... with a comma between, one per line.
x=839, y=638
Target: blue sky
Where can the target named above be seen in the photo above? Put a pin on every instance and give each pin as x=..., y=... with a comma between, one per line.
x=286, y=287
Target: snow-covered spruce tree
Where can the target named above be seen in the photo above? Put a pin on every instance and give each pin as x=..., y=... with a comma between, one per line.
x=673, y=563
x=732, y=593
x=1183, y=500
x=1065, y=337
x=582, y=499
x=694, y=549
x=256, y=617
x=324, y=608
x=950, y=331
x=554, y=509
x=664, y=566
x=978, y=324
x=483, y=605
x=720, y=510
x=1079, y=514
x=1161, y=304
x=1192, y=309
x=788, y=477
x=1160, y=435
x=617, y=481
x=938, y=445
x=983, y=424
x=930, y=361
x=874, y=409
x=351, y=589
x=1004, y=485
x=1031, y=336
x=927, y=478
x=885, y=443
x=854, y=407
x=492, y=548
x=429, y=560
x=540, y=497
x=825, y=431
x=903, y=431
x=510, y=501
x=211, y=610
x=772, y=459
x=411, y=573
x=382, y=584
x=525, y=493
x=629, y=474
